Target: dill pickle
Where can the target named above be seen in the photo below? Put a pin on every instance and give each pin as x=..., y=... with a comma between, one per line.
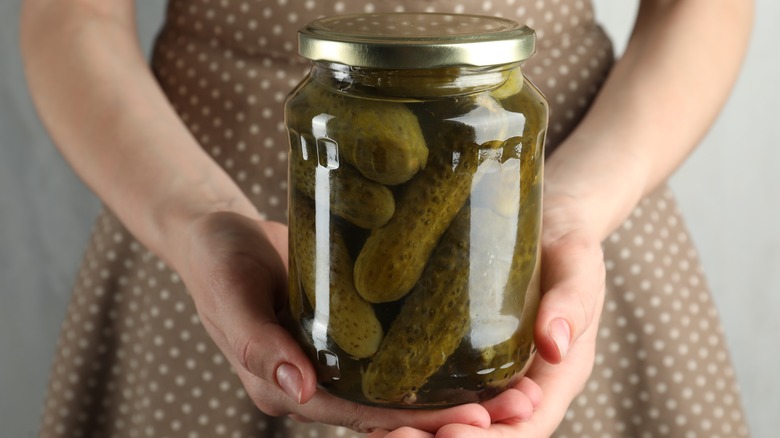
x=470, y=317
x=381, y=139
x=513, y=84
x=430, y=325
x=395, y=254
x=350, y=321
x=505, y=268
x=526, y=99
x=365, y=203
x=471, y=297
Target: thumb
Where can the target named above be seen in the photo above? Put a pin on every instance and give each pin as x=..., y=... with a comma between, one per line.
x=257, y=338
x=573, y=279
x=268, y=351
x=243, y=287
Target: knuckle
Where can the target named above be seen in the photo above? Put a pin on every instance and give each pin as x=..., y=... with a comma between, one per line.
x=242, y=350
x=270, y=409
x=262, y=395
x=585, y=314
x=357, y=420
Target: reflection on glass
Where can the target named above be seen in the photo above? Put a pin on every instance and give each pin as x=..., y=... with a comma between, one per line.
x=425, y=223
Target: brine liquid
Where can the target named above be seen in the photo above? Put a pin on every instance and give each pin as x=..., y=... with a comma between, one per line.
x=439, y=273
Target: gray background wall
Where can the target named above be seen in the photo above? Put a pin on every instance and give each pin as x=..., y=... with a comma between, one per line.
x=728, y=190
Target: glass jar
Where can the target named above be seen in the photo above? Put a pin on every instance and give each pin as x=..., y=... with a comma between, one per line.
x=416, y=156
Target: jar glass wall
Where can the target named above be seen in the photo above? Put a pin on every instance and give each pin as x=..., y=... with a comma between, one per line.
x=415, y=214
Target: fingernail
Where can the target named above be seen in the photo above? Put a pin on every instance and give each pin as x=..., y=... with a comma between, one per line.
x=561, y=335
x=290, y=380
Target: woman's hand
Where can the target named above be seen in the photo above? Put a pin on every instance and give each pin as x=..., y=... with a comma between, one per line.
x=573, y=285
x=573, y=294
x=235, y=269
x=614, y=157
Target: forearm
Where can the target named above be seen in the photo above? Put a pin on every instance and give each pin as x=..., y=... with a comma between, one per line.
x=656, y=105
x=107, y=115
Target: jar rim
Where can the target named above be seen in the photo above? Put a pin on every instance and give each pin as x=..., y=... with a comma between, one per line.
x=416, y=40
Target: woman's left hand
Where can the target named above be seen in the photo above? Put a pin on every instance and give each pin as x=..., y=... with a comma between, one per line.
x=573, y=277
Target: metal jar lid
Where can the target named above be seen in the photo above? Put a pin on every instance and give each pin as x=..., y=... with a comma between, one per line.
x=416, y=40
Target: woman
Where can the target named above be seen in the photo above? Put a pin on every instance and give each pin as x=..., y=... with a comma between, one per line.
x=186, y=269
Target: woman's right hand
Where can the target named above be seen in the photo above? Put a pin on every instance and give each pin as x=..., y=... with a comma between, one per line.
x=235, y=269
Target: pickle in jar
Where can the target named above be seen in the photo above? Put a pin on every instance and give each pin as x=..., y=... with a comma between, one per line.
x=360, y=201
x=394, y=255
x=381, y=139
x=349, y=320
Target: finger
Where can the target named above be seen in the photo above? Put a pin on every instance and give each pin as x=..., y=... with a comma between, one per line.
x=516, y=403
x=275, y=361
x=531, y=389
x=510, y=406
x=573, y=284
x=265, y=349
x=244, y=292
x=300, y=418
x=406, y=432
x=465, y=431
x=560, y=383
x=329, y=409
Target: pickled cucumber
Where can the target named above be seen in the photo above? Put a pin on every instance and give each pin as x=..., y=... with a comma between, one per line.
x=430, y=325
x=473, y=289
x=427, y=83
x=381, y=139
x=530, y=102
x=512, y=85
x=351, y=322
x=365, y=203
x=394, y=255
x=503, y=271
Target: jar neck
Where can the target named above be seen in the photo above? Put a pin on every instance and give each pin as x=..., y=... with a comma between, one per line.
x=412, y=83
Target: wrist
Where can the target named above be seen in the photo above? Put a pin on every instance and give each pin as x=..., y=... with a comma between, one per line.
x=601, y=183
x=175, y=214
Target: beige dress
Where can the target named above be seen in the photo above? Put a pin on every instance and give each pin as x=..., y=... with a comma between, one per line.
x=134, y=361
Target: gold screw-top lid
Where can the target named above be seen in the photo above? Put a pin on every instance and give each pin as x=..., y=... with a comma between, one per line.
x=416, y=40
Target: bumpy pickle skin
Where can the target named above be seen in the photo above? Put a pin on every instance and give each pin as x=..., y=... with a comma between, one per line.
x=394, y=255
x=351, y=321
x=429, y=326
x=505, y=219
x=505, y=198
x=381, y=139
x=440, y=315
x=365, y=203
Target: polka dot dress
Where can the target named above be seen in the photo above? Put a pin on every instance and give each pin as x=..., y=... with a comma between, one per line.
x=134, y=361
